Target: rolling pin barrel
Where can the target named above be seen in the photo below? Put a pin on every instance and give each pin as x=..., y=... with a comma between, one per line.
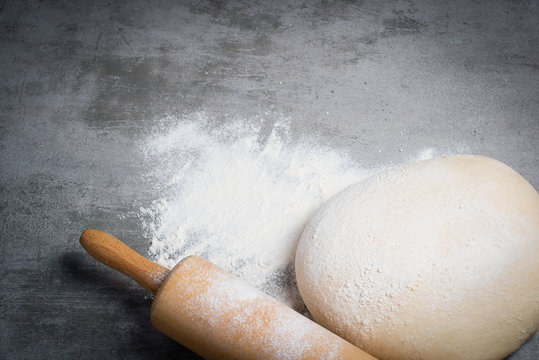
x=217, y=315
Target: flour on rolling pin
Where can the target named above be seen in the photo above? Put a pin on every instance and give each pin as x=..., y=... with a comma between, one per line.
x=201, y=305
x=217, y=315
x=239, y=194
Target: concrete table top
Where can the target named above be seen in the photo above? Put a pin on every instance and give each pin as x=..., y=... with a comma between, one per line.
x=84, y=82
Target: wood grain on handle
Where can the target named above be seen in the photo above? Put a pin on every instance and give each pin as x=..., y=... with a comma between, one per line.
x=114, y=253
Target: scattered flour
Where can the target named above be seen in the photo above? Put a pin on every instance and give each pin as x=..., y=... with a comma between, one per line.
x=239, y=194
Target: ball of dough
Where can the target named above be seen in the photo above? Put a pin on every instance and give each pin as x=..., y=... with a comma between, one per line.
x=434, y=260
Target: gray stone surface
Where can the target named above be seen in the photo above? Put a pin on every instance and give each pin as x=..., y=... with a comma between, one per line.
x=83, y=82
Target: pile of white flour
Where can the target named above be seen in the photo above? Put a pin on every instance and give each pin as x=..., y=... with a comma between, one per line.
x=239, y=194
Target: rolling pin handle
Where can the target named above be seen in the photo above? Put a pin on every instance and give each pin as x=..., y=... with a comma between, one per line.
x=115, y=254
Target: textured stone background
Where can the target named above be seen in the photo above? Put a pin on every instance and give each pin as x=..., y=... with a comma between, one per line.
x=83, y=82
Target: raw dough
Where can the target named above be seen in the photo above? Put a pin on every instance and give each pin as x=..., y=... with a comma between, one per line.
x=434, y=260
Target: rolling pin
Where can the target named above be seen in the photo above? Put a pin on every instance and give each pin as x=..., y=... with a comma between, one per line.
x=217, y=315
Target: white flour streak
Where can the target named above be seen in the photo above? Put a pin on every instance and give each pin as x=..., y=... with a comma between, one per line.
x=239, y=195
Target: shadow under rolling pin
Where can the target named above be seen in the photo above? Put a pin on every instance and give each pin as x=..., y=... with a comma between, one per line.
x=217, y=315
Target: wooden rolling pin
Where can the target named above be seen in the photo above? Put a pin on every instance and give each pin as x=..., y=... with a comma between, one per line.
x=217, y=315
